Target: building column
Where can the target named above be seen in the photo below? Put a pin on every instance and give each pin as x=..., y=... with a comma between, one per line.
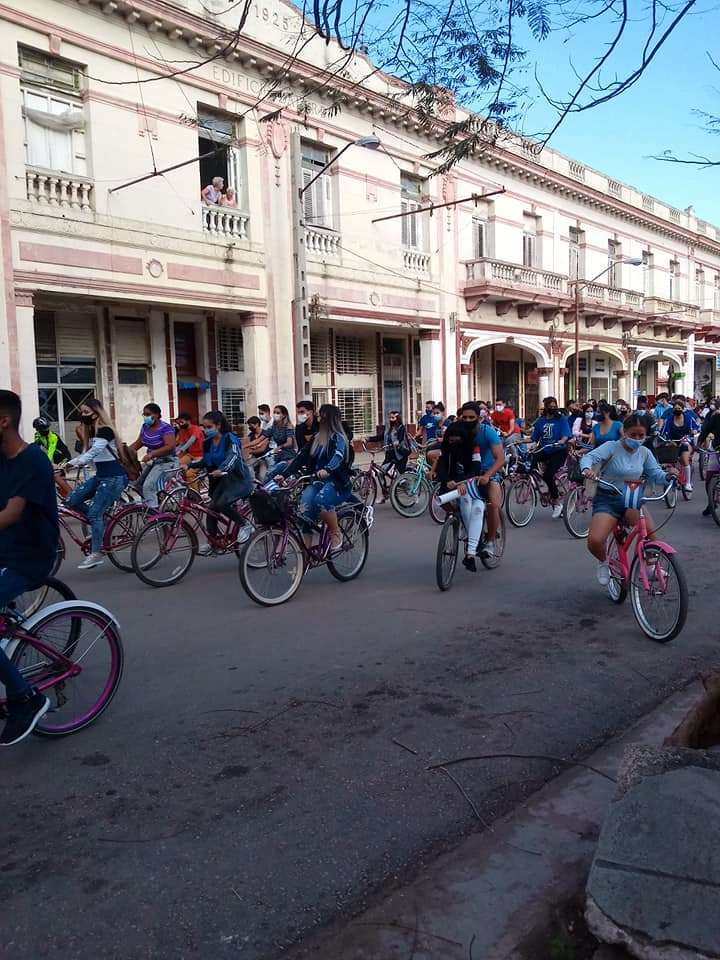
x=258, y=363
x=162, y=357
x=545, y=383
x=24, y=362
x=431, y=365
x=625, y=389
x=689, y=367
x=465, y=383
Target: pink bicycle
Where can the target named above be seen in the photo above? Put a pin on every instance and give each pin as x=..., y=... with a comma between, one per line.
x=650, y=572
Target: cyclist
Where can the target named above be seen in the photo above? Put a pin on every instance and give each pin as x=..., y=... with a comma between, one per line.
x=630, y=460
x=28, y=546
x=582, y=428
x=488, y=458
x=189, y=445
x=395, y=443
x=503, y=419
x=681, y=428
x=552, y=432
x=607, y=428
x=99, y=493
x=327, y=458
x=711, y=428
x=428, y=423
x=55, y=449
x=158, y=438
x=281, y=434
x=230, y=479
x=306, y=423
x=454, y=468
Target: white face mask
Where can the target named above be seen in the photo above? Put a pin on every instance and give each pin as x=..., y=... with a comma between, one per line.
x=499, y=407
x=264, y=419
x=483, y=413
x=277, y=417
x=302, y=417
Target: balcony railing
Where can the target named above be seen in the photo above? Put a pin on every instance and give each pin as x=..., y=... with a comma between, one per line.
x=497, y=271
x=416, y=261
x=320, y=242
x=59, y=189
x=656, y=306
x=225, y=222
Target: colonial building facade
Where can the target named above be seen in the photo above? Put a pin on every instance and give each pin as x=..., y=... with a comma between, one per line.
x=120, y=282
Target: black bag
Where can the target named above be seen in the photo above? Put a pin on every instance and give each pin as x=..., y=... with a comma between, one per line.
x=78, y=446
x=573, y=470
x=667, y=453
x=269, y=508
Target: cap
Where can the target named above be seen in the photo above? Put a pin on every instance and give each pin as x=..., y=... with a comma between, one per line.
x=41, y=423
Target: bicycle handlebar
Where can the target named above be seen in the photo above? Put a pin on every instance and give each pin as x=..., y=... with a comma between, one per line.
x=671, y=484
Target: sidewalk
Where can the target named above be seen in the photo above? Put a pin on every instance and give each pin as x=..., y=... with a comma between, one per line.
x=493, y=897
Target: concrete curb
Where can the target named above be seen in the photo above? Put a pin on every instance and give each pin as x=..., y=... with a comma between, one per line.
x=493, y=896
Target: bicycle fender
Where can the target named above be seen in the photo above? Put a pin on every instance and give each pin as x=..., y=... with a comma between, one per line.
x=28, y=624
x=660, y=545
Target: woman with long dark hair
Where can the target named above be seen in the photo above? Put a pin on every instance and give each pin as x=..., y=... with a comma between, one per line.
x=327, y=457
x=395, y=443
x=158, y=438
x=281, y=435
x=608, y=427
x=230, y=479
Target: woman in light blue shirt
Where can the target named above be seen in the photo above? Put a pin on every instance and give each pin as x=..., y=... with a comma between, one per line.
x=618, y=462
x=607, y=428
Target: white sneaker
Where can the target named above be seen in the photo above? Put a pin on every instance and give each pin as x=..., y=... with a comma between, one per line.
x=487, y=550
x=244, y=534
x=688, y=488
x=205, y=550
x=603, y=573
x=89, y=562
x=557, y=511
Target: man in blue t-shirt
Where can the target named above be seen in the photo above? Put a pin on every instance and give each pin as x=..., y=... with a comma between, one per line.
x=28, y=547
x=488, y=460
x=551, y=432
x=428, y=424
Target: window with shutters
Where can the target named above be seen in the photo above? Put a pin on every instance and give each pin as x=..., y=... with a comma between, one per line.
x=230, y=355
x=357, y=406
x=674, y=280
x=320, y=353
x=480, y=237
x=576, y=240
x=647, y=270
x=53, y=113
x=411, y=189
x=219, y=153
x=700, y=287
x=531, y=229
x=131, y=351
x=65, y=354
x=232, y=403
x=317, y=197
x=614, y=273
x=354, y=355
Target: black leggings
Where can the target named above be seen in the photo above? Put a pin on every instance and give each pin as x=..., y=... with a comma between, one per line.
x=399, y=461
x=220, y=504
x=553, y=460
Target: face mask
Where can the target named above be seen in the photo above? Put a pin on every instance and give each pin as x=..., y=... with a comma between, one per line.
x=483, y=413
x=633, y=444
x=711, y=407
x=264, y=419
x=551, y=411
x=302, y=417
x=499, y=407
x=210, y=432
x=437, y=417
x=87, y=419
x=148, y=421
x=588, y=416
x=277, y=417
x=678, y=411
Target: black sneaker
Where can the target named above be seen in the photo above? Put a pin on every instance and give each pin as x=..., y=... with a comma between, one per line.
x=707, y=512
x=23, y=713
x=469, y=564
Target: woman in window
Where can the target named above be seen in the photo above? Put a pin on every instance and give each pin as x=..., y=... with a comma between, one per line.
x=281, y=435
x=229, y=200
x=97, y=495
x=158, y=438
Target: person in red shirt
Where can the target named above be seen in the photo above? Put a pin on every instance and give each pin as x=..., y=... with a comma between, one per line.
x=189, y=445
x=503, y=419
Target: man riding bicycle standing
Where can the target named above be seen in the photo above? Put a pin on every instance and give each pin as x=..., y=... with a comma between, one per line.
x=28, y=546
x=551, y=432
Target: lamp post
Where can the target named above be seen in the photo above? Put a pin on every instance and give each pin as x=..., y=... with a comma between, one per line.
x=631, y=262
x=301, y=325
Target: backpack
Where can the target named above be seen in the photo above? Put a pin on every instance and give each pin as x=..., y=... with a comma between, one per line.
x=349, y=434
x=129, y=459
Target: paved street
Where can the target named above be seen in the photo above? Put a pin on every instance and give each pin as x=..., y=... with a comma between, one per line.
x=244, y=787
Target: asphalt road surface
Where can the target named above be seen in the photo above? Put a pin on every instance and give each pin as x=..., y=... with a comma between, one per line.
x=245, y=789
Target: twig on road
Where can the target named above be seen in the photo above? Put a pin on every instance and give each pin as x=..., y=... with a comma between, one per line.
x=405, y=747
x=254, y=727
x=522, y=756
x=472, y=941
x=414, y=944
x=464, y=792
x=402, y=926
x=226, y=710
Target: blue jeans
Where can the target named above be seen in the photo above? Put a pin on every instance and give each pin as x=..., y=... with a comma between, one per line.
x=319, y=496
x=11, y=585
x=101, y=492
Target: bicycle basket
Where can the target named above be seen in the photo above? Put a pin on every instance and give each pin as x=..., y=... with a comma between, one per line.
x=574, y=473
x=667, y=453
x=269, y=508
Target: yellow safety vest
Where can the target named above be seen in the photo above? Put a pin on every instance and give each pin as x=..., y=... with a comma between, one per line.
x=49, y=442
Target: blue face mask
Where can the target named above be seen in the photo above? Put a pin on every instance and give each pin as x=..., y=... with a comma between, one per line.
x=212, y=432
x=633, y=444
x=148, y=421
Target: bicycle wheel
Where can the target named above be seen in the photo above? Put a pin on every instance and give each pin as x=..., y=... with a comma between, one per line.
x=355, y=544
x=447, y=551
x=364, y=487
x=577, y=513
x=521, y=502
x=617, y=587
x=410, y=495
x=164, y=551
x=671, y=498
x=59, y=556
x=120, y=533
x=78, y=667
x=714, y=498
x=50, y=591
x=661, y=610
x=701, y=463
x=271, y=566
x=437, y=511
x=490, y=562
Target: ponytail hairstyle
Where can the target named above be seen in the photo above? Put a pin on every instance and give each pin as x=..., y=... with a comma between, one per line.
x=219, y=419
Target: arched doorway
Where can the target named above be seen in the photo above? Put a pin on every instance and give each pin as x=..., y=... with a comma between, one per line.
x=598, y=375
x=658, y=373
x=514, y=371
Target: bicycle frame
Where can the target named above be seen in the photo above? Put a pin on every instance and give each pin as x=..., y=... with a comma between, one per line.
x=637, y=536
x=48, y=677
x=200, y=513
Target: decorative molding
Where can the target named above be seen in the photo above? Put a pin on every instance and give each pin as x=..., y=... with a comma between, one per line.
x=24, y=298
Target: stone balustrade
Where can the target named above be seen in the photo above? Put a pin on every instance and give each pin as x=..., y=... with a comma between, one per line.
x=416, y=261
x=320, y=242
x=225, y=222
x=58, y=189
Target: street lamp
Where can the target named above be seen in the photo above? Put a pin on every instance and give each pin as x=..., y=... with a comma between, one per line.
x=301, y=320
x=631, y=262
